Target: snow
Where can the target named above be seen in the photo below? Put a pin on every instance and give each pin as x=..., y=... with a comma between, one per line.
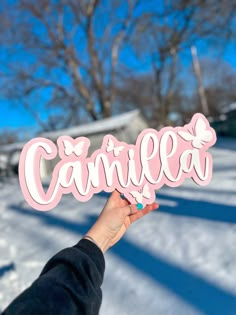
x=179, y=260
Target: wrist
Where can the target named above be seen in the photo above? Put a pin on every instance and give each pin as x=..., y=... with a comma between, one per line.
x=98, y=239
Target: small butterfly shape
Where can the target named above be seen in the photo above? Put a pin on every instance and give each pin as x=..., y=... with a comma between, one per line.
x=201, y=136
x=138, y=195
x=69, y=148
x=111, y=148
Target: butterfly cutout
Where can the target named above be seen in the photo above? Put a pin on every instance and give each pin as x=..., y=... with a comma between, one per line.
x=138, y=195
x=111, y=147
x=69, y=148
x=201, y=136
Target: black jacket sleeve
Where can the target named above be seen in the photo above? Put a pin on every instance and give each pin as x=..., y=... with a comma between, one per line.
x=69, y=284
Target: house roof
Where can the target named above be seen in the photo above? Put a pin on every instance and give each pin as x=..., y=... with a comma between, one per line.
x=104, y=125
x=7, y=148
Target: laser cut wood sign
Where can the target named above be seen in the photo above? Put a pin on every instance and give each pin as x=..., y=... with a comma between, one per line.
x=165, y=157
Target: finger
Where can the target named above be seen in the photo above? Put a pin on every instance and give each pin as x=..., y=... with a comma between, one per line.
x=124, y=202
x=116, y=193
x=146, y=210
x=133, y=211
x=128, y=210
x=140, y=214
x=115, y=201
x=121, y=198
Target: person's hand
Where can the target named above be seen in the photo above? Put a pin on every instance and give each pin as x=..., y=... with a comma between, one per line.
x=114, y=220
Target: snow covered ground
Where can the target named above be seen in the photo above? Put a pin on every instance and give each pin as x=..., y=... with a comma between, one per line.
x=180, y=260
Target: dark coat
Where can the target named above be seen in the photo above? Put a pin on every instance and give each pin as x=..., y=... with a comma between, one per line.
x=70, y=284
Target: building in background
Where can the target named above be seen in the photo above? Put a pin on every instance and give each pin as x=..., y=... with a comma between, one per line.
x=225, y=125
x=125, y=127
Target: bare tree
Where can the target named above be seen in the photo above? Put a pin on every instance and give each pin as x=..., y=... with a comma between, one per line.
x=68, y=61
x=67, y=57
x=166, y=32
x=8, y=136
x=219, y=81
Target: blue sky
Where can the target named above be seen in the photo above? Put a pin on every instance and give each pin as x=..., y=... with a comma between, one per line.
x=14, y=117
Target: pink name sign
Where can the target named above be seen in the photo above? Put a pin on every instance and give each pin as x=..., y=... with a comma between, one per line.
x=165, y=157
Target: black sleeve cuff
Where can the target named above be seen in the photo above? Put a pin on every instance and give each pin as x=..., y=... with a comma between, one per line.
x=94, y=252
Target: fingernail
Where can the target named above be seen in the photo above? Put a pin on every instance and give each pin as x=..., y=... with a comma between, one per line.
x=139, y=206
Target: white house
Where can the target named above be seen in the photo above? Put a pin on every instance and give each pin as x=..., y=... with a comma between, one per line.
x=125, y=127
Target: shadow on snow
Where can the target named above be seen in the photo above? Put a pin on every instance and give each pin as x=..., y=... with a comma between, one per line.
x=193, y=289
x=6, y=268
